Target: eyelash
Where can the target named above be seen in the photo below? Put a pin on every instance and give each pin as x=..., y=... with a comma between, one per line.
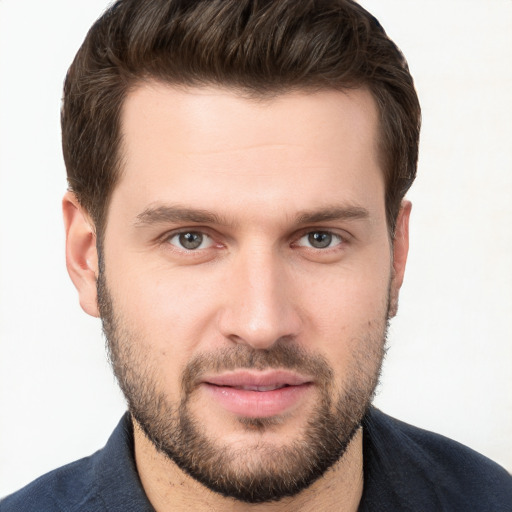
x=169, y=237
x=332, y=237
x=341, y=240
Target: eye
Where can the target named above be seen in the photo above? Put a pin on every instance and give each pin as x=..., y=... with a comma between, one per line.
x=320, y=240
x=190, y=240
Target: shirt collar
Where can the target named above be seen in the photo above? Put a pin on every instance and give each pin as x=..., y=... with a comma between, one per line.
x=116, y=477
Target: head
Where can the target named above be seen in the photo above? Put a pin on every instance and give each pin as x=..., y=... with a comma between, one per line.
x=237, y=171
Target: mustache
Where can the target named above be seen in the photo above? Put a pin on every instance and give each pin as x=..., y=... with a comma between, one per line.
x=284, y=354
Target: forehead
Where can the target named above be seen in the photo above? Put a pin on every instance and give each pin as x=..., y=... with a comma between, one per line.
x=220, y=118
x=292, y=150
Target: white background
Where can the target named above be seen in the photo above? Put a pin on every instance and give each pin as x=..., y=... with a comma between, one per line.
x=449, y=367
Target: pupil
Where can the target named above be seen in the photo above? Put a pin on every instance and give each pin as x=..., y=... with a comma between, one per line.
x=191, y=240
x=320, y=239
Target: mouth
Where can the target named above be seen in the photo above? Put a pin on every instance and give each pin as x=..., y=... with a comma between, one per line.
x=258, y=394
x=260, y=388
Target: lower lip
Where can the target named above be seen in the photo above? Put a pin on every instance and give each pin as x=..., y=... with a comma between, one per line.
x=257, y=404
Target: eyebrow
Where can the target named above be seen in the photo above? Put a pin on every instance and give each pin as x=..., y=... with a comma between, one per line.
x=163, y=214
x=178, y=214
x=333, y=213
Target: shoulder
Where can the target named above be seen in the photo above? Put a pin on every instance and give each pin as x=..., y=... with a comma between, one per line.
x=427, y=471
x=69, y=488
x=107, y=480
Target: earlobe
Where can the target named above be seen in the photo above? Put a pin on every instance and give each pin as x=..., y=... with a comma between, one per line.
x=81, y=253
x=400, y=252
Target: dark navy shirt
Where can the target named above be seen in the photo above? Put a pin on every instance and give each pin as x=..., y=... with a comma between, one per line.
x=405, y=469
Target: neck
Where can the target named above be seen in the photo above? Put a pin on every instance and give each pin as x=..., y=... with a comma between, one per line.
x=169, y=488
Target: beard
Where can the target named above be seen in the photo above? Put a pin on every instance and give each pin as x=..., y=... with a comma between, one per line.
x=261, y=471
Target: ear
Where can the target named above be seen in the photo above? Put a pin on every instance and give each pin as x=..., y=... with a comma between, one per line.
x=400, y=251
x=81, y=253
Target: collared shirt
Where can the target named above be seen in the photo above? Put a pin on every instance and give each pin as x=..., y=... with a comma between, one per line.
x=405, y=469
x=105, y=481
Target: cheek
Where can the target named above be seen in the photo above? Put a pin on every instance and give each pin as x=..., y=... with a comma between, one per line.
x=348, y=296
x=170, y=311
x=348, y=313
x=161, y=323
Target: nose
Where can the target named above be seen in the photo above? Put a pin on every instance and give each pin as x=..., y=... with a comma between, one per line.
x=260, y=306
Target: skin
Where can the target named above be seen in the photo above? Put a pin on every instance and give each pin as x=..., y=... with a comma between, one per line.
x=260, y=167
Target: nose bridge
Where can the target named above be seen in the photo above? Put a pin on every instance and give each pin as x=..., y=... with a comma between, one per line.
x=259, y=307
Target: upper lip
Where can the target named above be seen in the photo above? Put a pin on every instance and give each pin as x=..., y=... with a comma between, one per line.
x=257, y=378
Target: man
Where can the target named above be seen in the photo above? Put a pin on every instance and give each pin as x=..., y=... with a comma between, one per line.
x=236, y=216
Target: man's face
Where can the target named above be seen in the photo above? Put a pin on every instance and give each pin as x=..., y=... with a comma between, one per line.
x=247, y=272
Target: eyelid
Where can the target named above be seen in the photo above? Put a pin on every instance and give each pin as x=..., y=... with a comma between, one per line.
x=343, y=238
x=165, y=239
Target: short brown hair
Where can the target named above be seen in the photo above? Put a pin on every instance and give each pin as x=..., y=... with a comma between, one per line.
x=260, y=47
